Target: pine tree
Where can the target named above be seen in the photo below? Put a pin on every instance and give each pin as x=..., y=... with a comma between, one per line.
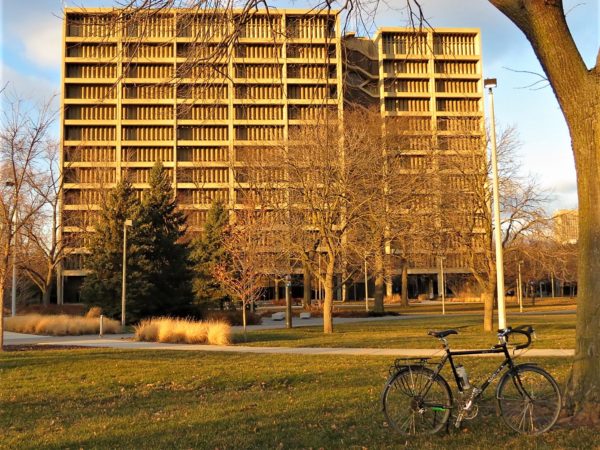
x=102, y=285
x=160, y=260
x=208, y=252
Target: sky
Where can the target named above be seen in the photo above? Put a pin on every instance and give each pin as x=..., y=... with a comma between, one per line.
x=30, y=47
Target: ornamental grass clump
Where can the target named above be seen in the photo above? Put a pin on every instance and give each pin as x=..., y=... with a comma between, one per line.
x=60, y=325
x=183, y=331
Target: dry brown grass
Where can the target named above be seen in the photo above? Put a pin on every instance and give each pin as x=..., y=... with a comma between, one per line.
x=61, y=325
x=186, y=331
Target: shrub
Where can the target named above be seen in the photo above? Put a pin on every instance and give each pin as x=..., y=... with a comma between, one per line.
x=73, y=309
x=95, y=311
x=233, y=318
x=60, y=325
x=187, y=331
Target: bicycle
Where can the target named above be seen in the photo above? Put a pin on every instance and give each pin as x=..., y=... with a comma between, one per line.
x=418, y=400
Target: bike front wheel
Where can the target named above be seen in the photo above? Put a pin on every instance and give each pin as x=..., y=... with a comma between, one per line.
x=416, y=401
x=529, y=400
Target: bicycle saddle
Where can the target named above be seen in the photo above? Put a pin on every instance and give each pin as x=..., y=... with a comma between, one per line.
x=441, y=334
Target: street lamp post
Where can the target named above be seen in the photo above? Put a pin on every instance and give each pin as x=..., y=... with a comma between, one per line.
x=491, y=83
x=520, y=288
x=443, y=285
x=126, y=224
x=366, y=286
x=288, y=302
x=13, y=297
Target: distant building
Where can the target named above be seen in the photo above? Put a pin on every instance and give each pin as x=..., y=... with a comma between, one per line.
x=144, y=92
x=566, y=226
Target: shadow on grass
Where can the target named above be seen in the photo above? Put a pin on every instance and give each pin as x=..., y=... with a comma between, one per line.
x=251, y=337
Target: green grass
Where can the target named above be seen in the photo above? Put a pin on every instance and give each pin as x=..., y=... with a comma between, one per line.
x=137, y=399
x=553, y=331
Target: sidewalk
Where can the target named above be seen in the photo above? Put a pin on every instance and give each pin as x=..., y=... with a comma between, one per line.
x=125, y=342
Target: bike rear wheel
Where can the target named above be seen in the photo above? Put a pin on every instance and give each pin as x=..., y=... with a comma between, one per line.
x=529, y=400
x=416, y=401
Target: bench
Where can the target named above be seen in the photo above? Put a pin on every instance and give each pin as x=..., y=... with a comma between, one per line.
x=305, y=315
x=278, y=316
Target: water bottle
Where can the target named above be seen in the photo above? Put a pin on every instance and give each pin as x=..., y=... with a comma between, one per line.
x=464, y=378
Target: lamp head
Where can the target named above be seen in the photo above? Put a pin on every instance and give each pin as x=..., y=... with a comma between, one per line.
x=128, y=222
x=490, y=83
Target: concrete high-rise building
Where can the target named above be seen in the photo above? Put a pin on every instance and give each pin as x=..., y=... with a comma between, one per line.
x=177, y=88
x=566, y=226
x=429, y=83
x=202, y=94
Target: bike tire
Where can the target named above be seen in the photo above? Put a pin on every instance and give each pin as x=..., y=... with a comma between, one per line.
x=416, y=401
x=529, y=399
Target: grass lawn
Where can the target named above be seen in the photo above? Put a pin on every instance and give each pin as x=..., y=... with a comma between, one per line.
x=553, y=331
x=97, y=398
x=544, y=304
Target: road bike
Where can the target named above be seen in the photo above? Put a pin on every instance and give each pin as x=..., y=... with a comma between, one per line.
x=418, y=400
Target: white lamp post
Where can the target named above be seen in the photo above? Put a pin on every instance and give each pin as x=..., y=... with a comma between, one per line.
x=520, y=289
x=127, y=223
x=442, y=282
x=366, y=286
x=491, y=83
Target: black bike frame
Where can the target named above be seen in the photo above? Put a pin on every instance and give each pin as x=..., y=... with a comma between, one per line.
x=450, y=354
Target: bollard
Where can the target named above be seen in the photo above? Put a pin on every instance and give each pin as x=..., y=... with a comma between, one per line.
x=101, y=325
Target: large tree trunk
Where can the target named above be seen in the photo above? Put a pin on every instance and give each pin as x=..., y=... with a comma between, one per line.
x=307, y=281
x=48, y=288
x=379, y=283
x=583, y=387
x=488, y=296
x=3, y=270
x=578, y=92
x=404, y=282
x=46, y=295
x=328, y=304
x=2, y=315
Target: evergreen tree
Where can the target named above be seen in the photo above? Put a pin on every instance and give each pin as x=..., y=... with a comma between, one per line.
x=208, y=252
x=102, y=285
x=161, y=276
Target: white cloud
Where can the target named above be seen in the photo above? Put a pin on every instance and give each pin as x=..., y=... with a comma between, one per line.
x=33, y=90
x=29, y=86
x=36, y=27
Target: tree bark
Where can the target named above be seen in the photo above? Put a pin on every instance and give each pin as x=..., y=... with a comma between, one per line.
x=46, y=295
x=404, y=282
x=488, y=309
x=307, y=281
x=378, y=295
x=3, y=270
x=577, y=90
x=328, y=304
x=583, y=386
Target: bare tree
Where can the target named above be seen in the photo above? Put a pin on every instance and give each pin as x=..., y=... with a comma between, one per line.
x=325, y=176
x=467, y=220
x=24, y=136
x=398, y=172
x=44, y=246
x=244, y=271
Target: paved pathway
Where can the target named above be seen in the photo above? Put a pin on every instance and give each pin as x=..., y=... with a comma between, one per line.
x=126, y=342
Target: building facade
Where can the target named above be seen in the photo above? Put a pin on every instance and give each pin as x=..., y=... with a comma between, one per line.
x=566, y=226
x=429, y=83
x=205, y=92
